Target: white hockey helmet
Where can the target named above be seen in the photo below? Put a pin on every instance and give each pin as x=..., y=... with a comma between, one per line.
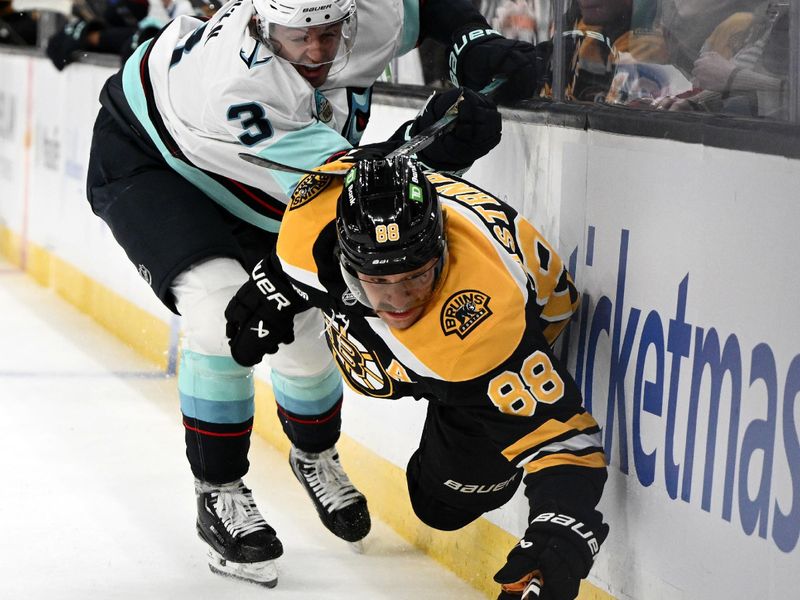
x=273, y=17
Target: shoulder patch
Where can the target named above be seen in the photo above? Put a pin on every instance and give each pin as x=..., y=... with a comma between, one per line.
x=361, y=368
x=464, y=311
x=309, y=188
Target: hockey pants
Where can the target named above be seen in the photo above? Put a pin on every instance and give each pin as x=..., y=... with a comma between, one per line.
x=191, y=253
x=217, y=394
x=457, y=474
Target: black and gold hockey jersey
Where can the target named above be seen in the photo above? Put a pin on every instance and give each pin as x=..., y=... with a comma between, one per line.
x=483, y=343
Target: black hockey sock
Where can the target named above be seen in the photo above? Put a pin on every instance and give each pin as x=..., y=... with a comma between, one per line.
x=312, y=433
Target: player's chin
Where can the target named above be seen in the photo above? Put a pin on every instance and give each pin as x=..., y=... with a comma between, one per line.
x=316, y=76
x=401, y=319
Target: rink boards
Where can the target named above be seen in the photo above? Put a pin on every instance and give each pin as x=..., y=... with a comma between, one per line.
x=685, y=345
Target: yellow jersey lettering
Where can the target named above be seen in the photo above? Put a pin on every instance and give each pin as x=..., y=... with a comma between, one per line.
x=490, y=216
x=435, y=178
x=476, y=197
x=504, y=235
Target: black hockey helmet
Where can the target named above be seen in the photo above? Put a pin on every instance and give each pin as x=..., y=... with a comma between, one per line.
x=388, y=221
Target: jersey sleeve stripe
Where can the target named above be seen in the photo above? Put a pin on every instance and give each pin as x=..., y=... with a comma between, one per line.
x=549, y=431
x=579, y=444
x=595, y=460
x=552, y=331
x=558, y=309
x=410, y=26
x=305, y=148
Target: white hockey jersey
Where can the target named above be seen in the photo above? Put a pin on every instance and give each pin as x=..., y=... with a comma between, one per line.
x=204, y=91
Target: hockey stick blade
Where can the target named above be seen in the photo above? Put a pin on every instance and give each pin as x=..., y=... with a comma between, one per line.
x=271, y=164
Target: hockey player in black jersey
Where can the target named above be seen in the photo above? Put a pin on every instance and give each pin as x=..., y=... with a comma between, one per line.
x=290, y=81
x=435, y=289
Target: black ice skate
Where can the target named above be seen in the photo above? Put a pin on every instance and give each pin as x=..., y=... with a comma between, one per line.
x=341, y=507
x=241, y=543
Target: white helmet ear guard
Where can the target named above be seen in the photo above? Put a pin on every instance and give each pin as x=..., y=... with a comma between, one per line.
x=304, y=13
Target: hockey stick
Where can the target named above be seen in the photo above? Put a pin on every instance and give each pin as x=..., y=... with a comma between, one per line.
x=419, y=142
x=276, y=166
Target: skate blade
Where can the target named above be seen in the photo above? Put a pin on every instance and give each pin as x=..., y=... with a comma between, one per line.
x=358, y=547
x=261, y=573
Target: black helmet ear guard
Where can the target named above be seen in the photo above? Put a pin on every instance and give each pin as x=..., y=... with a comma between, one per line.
x=388, y=221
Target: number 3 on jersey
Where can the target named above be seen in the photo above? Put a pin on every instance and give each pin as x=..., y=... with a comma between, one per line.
x=254, y=122
x=519, y=393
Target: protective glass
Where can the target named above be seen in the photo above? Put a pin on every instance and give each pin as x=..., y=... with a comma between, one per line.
x=315, y=46
x=396, y=293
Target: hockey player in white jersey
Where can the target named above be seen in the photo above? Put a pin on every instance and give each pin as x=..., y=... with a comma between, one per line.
x=290, y=80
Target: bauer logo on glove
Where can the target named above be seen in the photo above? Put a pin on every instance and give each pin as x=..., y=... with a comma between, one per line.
x=266, y=287
x=261, y=315
x=573, y=524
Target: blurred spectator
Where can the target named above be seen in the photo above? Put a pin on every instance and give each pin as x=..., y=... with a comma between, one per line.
x=516, y=19
x=161, y=13
x=688, y=23
x=17, y=28
x=743, y=66
x=603, y=35
x=107, y=32
x=119, y=26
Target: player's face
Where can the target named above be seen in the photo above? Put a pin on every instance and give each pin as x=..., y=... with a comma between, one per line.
x=311, y=50
x=400, y=299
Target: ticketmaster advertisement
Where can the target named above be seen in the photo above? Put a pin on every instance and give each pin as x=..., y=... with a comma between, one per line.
x=686, y=351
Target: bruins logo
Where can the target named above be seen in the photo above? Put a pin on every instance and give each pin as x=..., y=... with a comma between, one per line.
x=464, y=311
x=360, y=367
x=309, y=188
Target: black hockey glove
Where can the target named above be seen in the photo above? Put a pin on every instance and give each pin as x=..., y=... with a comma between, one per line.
x=261, y=315
x=70, y=39
x=560, y=549
x=477, y=130
x=479, y=55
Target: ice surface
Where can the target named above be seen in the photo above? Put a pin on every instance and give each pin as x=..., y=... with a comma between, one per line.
x=97, y=500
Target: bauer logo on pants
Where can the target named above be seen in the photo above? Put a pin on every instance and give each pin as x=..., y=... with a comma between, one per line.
x=464, y=311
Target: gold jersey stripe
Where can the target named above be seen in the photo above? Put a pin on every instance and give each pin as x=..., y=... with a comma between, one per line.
x=560, y=307
x=595, y=460
x=547, y=431
x=553, y=330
